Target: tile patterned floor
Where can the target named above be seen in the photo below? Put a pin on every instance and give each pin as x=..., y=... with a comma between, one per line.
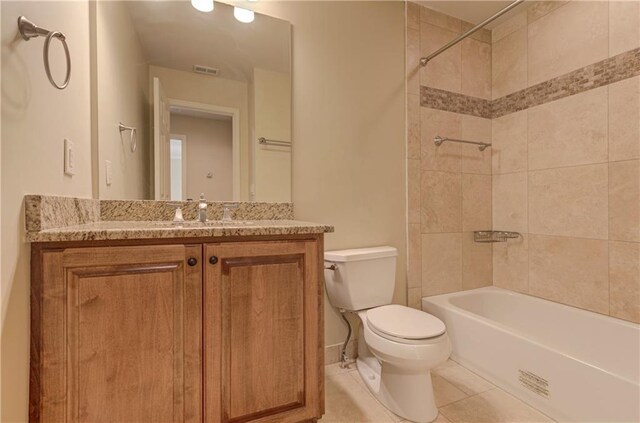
x=461, y=397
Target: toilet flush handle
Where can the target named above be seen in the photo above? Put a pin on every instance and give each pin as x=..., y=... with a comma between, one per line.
x=332, y=267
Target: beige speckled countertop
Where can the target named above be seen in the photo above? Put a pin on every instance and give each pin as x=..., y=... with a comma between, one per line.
x=68, y=219
x=99, y=231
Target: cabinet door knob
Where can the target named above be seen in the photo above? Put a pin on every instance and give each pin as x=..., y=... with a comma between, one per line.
x=192, y=261
x=213, y=259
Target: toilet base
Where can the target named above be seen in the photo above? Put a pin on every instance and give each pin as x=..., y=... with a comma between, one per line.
x=409, y=394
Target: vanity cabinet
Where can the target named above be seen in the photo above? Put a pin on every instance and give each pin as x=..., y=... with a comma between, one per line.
x=116, y=334
x=179, y=332
x=262, y=326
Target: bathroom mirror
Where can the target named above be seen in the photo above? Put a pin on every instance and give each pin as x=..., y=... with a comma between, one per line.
x=188, y=102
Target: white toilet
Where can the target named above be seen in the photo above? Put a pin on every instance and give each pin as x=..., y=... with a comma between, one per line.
x=398, y=346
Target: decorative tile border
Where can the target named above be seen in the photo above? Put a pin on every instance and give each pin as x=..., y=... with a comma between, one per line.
x=605, y=72
x=448, y=101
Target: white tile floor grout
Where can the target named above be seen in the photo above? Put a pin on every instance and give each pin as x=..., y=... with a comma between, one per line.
x=461, y=396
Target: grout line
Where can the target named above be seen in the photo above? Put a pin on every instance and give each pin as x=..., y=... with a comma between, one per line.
x=419, y=181
x=461, y=252
x=486, y=380
x=567, y=166
x=449, y=233
x=493, y=387
x=527, y=185
x=625, y=160
x=531, y=170
x=546, y=14
x=466, y=398
x=608, y=218
x=608, y=167
x=568, y=237
x=355, y=375
x=626, y=241
x=608, y=28
x=455, y=172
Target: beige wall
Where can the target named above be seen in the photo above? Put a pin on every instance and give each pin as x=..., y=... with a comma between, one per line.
x=2, y=294
x=449, y=186
x=567, y=173
x=348, y=126
x=122, y=80
x=271, y=103
x=35, y=119
x=189, y=86
x=209, y=149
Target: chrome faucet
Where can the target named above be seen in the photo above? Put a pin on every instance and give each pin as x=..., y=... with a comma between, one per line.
x=177, y=218
x=202, y=209
x=226, y=211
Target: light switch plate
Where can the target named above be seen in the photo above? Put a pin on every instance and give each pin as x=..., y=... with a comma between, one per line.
x=69, y=158
x=108, y=172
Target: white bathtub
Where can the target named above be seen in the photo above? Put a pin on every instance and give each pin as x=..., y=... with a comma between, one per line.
x=571, y=364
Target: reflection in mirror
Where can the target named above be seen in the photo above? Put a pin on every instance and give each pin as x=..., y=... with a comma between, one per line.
x=201, y=89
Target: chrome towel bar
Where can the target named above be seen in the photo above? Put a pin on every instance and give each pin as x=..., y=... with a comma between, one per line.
x=438, y=140
x=265, y=141
x=29, y=30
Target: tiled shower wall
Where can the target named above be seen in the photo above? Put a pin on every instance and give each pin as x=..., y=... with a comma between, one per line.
x=449, y=187
x=566, y=172
x=564, y=106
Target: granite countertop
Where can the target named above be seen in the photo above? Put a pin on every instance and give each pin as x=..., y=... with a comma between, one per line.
x=115, y=230
x=60, y=219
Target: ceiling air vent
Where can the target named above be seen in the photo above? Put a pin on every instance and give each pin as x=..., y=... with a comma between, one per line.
x=206, y=70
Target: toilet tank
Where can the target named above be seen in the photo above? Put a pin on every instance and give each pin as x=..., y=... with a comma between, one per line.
x=363, y=277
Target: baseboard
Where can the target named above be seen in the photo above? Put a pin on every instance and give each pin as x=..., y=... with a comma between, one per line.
x=332, y=352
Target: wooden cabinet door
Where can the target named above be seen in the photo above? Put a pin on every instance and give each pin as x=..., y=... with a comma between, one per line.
x=263, y=332
x=118, y=334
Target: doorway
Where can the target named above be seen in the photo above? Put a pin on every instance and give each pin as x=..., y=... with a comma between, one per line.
x=211, y=163
x=201, y=150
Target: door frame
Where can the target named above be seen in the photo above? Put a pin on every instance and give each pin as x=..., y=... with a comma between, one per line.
x=159, y=112
x=183, y=140
x=235, y=132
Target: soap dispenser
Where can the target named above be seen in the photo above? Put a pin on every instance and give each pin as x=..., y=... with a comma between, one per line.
x=202, y=209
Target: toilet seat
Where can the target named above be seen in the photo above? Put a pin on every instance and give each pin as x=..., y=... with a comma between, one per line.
x=403, y=324
x=408, y=353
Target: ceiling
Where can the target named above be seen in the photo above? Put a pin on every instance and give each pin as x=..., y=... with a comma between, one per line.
x=474, y=11
x=175, y=35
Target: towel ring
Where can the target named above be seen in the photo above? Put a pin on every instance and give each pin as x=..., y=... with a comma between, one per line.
x=29, y=30
x=45, y=53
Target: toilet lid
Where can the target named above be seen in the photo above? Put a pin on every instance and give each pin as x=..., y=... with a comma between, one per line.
x=404, y=322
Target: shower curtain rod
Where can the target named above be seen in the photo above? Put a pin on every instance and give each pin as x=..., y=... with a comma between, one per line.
x=425, y=60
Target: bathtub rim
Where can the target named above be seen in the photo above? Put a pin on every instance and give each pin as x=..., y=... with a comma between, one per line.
x=442, y=298
x=443, y=301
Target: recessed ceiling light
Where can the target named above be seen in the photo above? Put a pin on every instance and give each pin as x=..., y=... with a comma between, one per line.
x=243, y=15
x=202, y=5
